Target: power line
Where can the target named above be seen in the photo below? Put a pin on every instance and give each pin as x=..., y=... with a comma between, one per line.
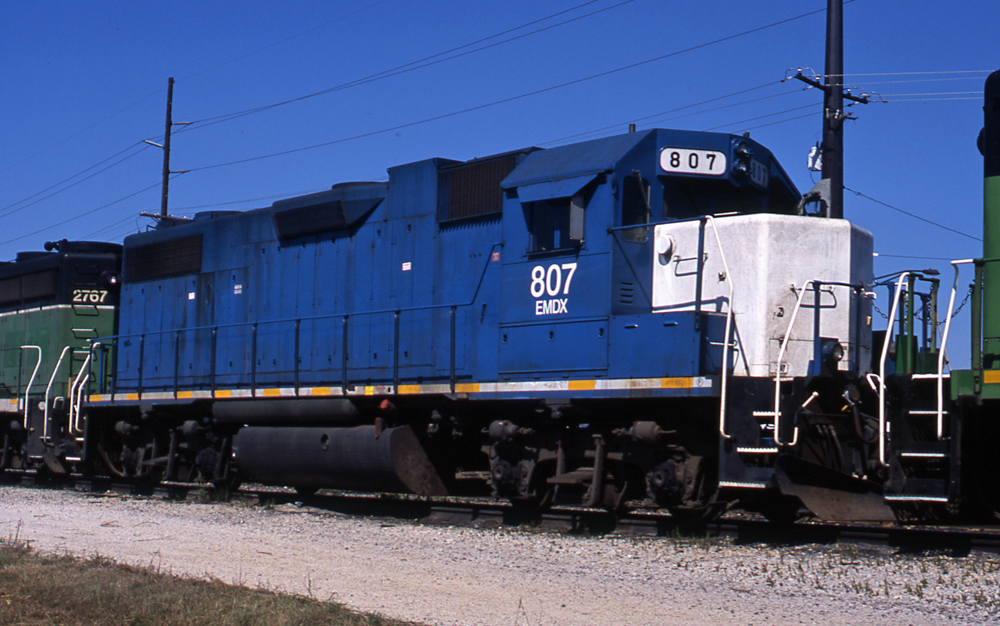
x=147, y=97
x=574, y=82
x=9, y=210
x=879, y=255
x=84, y=214
x=925, y=73
x=512, y=98
x=937, y=99
x=940, y=93
x=648, y=118
x=913, y=215
x=811, y=105
x=279, y=42
x=290, y=194
x=922, y=80
x=110, y=227
x=790, y=119
x=79, y=132
x=412, y=66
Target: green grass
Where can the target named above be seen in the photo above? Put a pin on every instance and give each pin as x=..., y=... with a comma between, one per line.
x=38, y=590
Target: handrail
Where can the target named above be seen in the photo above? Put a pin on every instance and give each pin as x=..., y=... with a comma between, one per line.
x=817, y=284
x=725, y=340
x=944, y=343
x=48, y=389
x=881, y=368
x=327, y=316
x=115, y=340
x=75, y=398
x=777, y=374
x=31, y=381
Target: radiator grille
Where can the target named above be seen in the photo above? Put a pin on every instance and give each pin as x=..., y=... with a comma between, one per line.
x=472, y=189
x=162, y=260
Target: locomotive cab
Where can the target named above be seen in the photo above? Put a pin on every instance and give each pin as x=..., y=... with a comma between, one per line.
x=673, y=271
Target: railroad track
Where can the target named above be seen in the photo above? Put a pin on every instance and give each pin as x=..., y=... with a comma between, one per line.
x=487, y=513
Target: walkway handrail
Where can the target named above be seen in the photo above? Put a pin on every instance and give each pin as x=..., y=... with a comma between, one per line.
x=114, y=341
x=31, y=381
x=901, y=286
x=729, y=326
x=48, y=389
x=75, y=396
x=777, y=374
x=942, y=357
x=328, y=316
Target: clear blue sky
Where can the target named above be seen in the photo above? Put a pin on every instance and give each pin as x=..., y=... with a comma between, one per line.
x=84, y=81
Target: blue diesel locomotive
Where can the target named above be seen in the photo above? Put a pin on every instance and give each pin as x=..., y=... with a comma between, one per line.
x=648, y=320
x=640, y=318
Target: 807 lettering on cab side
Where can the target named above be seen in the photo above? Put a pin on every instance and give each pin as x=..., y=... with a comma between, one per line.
x=554, y=280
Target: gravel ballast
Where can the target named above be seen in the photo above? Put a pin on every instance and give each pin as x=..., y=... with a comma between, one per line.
x=467, y=577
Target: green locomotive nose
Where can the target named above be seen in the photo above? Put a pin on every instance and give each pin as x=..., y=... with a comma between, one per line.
x=989, y=144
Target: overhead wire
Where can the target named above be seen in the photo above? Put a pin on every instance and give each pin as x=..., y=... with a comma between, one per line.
x=811, y=105
x=479, y=107
x=79, y=132
x=360, y=81
x=413, y=65
x=913, y=215
x=775, y=123
x=567, y=138
x=78, y=216
x=110, y=228
x=921, y=258
x=286, y=39
x=665, y=116
x=289, y=194
x=940, y=93
x=10, y=210
x=511, y=98
x=923, y=73
x=150, y=95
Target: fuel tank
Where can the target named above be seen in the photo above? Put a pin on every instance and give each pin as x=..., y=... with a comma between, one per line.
x=362, y=458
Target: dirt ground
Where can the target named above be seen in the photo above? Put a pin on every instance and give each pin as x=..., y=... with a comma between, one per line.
x=467, y=577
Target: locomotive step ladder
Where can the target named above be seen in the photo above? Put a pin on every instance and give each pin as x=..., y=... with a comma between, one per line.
x=765, y=420
x=926, y=462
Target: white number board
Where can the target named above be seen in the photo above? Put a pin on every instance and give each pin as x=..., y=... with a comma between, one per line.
x=758, y=173
x=684, y=161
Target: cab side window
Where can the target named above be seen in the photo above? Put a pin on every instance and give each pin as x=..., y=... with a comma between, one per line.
x=635, y=207
x=556, y=223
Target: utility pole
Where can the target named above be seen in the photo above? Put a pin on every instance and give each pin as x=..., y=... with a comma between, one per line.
x=833, y=107
x=166, y=149
x=833, y=111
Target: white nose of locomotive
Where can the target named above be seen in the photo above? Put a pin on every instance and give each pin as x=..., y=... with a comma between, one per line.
x=756, y=265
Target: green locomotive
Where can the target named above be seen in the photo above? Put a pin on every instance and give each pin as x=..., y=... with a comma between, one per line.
x=53, y=304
